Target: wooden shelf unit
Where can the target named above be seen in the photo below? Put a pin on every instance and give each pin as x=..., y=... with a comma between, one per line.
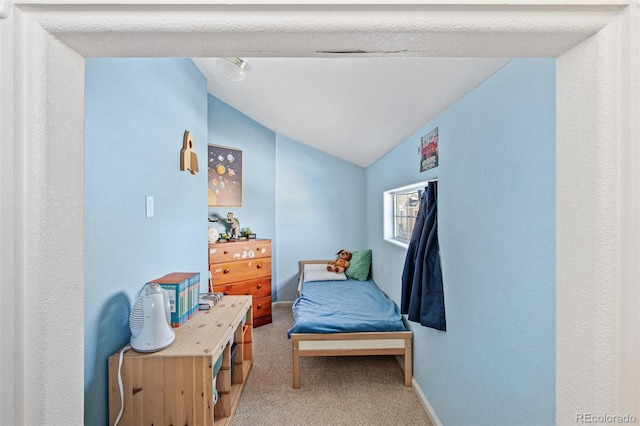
x=244, y=267
x=175, y=385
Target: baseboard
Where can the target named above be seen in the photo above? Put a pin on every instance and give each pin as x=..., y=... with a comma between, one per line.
x=423, y=399
x=283, y=303
x=425, y=403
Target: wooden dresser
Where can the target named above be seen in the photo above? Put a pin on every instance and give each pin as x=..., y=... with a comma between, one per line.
x=244, y=268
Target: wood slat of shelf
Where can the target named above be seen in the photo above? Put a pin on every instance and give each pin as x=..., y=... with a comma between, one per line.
x=224, y=374
x=223, y=408
x=152, y=372
x=246, y=367
x=203, y=392
x=178, y=402
x=170, y=404
x=238, y=371
x=236, y=392
x=247, y=340
x=132, y=373
x=234, y=398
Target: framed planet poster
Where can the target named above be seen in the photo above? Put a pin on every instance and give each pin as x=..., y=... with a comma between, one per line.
x=224, y=176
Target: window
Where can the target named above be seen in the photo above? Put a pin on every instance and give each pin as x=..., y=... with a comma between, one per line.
x=405, y=207
x=400, y=212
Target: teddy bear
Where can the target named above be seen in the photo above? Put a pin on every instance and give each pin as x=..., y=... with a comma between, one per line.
x=341, y=263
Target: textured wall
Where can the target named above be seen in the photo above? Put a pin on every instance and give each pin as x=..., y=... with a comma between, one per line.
x=310, y=203
x=598, y=332
x=136, y=113
x=320, y=209
x=7, y=229
x=229, y=127
x=495, y=363
x=48, y=108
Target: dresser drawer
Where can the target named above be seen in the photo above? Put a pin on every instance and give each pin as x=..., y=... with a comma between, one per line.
x=261, y=307
x=239, y=250
x=229, y=272
x=260, y=287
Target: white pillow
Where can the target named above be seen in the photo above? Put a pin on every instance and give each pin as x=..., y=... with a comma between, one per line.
x=315, y=266
x=318, y=272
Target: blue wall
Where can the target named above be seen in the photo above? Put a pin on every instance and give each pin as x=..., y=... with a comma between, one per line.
x=320, y=207
x=495, y=364
x=290, y=191
x=136, y=115
x=229, y=127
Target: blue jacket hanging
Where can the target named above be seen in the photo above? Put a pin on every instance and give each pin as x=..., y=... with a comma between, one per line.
x=422, y=294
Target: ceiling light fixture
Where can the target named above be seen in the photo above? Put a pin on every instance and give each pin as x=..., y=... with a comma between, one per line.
x=232, y=68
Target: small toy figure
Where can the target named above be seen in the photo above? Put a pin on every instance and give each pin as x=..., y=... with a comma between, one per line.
x=235, y=226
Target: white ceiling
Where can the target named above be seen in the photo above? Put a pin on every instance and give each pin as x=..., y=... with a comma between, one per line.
x=356, y=108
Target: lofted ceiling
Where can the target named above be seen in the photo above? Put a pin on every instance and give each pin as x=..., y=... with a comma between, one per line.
x=356, y=108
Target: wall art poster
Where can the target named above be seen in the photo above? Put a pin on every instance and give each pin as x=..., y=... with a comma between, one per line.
x=224, y=176
x=429, y=150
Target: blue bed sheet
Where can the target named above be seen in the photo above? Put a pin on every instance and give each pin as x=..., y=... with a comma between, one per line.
x=344, y=307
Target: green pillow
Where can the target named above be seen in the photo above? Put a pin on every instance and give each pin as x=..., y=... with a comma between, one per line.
x=359, y=265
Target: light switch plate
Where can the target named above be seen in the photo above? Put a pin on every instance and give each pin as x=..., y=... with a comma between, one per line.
x=149, y=211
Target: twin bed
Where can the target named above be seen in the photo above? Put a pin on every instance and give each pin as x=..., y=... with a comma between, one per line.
x=337, y=316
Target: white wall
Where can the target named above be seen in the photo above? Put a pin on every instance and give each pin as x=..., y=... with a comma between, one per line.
x=7, y=233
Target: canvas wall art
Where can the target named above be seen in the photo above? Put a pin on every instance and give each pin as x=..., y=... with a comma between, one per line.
x=224, y=176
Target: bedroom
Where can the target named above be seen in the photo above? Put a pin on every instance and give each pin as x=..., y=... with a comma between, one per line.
x=503, y=128
x=382, y=268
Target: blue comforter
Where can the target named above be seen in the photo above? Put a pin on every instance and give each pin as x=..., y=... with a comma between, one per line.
x=344, y=307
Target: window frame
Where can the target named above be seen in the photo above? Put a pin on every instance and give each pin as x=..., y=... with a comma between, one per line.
x=389, y=205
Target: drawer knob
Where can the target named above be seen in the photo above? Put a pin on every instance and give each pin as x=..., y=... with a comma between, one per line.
x=226, y=292
x=259, y=307
x=259, y=265
x=226, y=252
x=226, y=271
x=259, y=286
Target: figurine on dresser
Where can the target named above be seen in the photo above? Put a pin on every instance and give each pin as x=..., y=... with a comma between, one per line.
x=233, y=227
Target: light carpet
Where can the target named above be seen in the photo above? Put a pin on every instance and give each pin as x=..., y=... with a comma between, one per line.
x=360, y=390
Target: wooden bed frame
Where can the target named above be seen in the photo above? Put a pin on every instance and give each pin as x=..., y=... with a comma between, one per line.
x=349, y=344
